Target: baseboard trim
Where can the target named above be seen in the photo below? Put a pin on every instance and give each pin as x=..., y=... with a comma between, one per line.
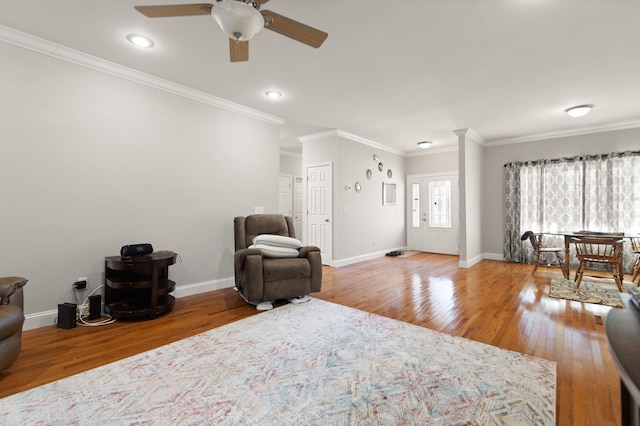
x=469, y=263
x=493, y=256
x=48, y=318
x=40, y=319
x=480, y=258
x=362, y=258
x=203, y=287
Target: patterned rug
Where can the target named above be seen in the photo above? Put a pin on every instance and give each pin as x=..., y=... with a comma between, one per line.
x=312, y=363
x=588, y=292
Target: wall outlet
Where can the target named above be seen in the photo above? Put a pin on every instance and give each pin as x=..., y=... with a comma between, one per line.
x=81, y=283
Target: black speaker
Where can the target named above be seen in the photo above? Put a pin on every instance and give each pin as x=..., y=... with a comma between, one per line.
x=67, y=315
x=95, y=308
x=136, y=250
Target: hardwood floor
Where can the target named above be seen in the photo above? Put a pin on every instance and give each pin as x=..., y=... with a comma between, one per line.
x=493, y=302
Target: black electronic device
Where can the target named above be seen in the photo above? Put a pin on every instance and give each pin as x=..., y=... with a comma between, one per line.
x=635, y=296
x=133, y=250
x=67, y=315
x=95, y=307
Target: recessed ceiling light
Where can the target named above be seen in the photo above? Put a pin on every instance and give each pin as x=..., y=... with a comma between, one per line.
x=425, y=144
x=273, y=94
x=579, y=111
x=139, y=40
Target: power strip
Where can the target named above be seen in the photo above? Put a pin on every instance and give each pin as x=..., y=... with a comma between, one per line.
x=82, y=310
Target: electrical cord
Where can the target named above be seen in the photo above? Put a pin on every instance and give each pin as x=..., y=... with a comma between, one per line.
x=103, y=321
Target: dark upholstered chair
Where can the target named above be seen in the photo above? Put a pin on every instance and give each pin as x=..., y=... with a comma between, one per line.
x=11, y=319
x=260, y=279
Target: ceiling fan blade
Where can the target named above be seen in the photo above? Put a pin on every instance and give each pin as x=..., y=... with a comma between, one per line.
x=260, y=2
x=169, y=10
x=238, y=50
x=293, y=29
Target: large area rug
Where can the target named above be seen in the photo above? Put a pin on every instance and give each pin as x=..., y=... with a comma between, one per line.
x=588, y=292
x=312, y=363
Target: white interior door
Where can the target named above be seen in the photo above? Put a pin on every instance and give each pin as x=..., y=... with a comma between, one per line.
x=433, y=223
x=319, y=227
x=285, y=197
x=297, y=205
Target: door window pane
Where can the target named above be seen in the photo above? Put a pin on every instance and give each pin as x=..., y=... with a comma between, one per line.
x=415, y=205
x=440, y=204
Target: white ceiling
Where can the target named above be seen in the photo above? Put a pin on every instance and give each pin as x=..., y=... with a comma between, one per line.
x=392, y=72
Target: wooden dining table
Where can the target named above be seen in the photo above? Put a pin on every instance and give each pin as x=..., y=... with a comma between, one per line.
x=568, y=235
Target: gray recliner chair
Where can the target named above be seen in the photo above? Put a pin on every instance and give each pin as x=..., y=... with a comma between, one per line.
x=261, y=279
x=11, y=319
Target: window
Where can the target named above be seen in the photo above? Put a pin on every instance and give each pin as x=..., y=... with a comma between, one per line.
x=595, y=193
x=415, y=205
x=440, y=204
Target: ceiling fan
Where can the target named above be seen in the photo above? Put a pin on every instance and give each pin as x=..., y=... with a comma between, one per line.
x=241, y=20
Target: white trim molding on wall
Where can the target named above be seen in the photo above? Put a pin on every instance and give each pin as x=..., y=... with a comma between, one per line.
x=36, y=44
x=339, y=133
x=469, y=263
x=47, y=318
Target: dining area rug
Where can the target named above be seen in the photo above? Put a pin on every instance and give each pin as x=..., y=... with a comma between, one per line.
x=598, y=293
x=313, y=363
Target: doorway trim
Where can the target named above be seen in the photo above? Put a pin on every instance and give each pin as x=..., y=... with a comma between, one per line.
x=327, y=257
x=409, y=179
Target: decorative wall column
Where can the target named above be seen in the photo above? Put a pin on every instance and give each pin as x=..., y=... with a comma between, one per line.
x=470, y=159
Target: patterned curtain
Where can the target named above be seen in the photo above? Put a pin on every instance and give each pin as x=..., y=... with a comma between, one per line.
x=596, y=193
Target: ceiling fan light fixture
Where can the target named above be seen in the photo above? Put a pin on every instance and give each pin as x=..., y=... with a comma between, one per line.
x=579, y=111
x=239, y=20
x=140, y=40
x=425, y=144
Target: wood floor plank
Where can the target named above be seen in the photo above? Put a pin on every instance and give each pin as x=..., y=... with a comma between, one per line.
x=494, y=302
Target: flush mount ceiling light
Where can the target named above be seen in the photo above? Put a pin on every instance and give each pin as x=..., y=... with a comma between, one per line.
x=425, y=144
x=273, y=94
x=240, y=21
x=139, y=40
x=579, y=111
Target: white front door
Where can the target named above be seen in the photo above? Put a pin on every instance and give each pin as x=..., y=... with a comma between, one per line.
x=433, y=222
x=319, y=228
x=284, y=195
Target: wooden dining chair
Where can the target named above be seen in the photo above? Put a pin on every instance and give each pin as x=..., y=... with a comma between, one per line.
x=536, y=243
x=635, y=248
x=598, y=249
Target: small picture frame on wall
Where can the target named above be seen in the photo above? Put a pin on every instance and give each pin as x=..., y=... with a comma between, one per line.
x=388, y=194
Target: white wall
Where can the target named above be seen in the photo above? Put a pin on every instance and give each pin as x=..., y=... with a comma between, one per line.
x=367, y=227
x=91, y=162
x=433, y=162
x=291, y=164
x=495, y=157
x=471, y=184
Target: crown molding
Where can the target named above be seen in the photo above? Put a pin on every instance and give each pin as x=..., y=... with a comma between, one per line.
x=472, y=135
x=623, y=125
x=45, y=47
x=355, y=138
